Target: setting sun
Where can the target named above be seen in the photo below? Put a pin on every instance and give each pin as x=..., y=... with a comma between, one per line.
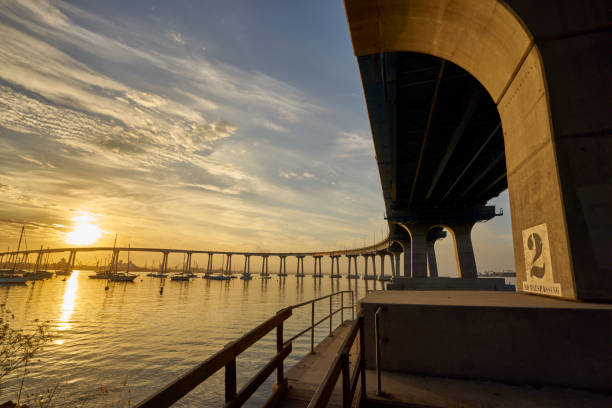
x=84, y=232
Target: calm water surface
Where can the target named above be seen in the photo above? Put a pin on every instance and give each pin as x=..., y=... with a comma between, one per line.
x=115, y=347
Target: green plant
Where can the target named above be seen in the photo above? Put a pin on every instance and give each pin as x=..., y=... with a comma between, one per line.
x=17, y=347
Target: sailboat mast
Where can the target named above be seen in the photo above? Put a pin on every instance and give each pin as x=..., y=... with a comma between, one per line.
x=128, y=266
x=115, y=257
x=18, y=247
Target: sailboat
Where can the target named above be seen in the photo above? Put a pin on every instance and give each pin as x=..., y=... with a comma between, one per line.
x=124, y=276
x=9, y=276
x=105, y=274
x=38, y=274
x=159, y=274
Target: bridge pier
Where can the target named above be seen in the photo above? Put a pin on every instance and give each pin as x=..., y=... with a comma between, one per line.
x=396, y=258
x=466, y=262
x=38, y=259
x=228, y=264
x=300, y=266
x=209, y=264
x=407, y=250
x=431, y=260
x=352, y=259
x=432, y=236
x=247, y=265
x=264, y=267
x=188, y=263
x=335, y=259
x=282, y=269
x=317, y=260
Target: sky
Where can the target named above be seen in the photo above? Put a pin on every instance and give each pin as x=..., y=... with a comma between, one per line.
x=192, y=124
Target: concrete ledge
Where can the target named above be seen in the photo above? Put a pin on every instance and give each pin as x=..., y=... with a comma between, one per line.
x=495, y=284
x=500, y=336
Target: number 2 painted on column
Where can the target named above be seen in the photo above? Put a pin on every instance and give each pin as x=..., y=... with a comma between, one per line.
x=535, y=242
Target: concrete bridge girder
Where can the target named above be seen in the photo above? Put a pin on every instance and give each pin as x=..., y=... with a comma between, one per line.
x=549, y=78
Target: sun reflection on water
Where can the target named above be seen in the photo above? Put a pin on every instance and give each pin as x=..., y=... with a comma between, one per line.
x=70, y=294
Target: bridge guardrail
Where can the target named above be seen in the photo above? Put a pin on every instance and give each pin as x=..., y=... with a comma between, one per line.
x=341, y=366
x=226, y=358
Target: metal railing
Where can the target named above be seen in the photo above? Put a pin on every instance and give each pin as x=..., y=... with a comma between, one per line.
x=227, y=358
x=341, y=365
x=330, y=316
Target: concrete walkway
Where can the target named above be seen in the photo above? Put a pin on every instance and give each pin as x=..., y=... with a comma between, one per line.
x=305, y=377
x=404, y=390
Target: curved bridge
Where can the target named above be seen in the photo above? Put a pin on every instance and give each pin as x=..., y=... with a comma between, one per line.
x=384, y=248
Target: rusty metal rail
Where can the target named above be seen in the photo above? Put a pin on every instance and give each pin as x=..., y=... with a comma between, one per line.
x=330, y=316
x=341, y=366
x=227, y=358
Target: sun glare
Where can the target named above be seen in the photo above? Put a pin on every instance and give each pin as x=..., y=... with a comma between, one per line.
x=84, y=232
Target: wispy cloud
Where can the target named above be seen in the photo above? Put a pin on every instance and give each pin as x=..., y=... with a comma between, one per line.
x=193, y=140
x=176, y=37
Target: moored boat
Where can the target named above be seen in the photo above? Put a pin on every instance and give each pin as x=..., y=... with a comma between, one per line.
x=13, y=279
x=38, y=275
x=122, y=277
x=11, y=275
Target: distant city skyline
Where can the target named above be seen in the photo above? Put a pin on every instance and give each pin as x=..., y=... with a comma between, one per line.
x=204, y=125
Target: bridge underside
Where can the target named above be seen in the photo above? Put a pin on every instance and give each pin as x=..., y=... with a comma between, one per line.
x=439, y=149
x=436, y=130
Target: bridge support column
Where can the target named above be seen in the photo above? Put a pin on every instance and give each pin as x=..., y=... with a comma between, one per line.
x=466, y=263
x=228, y=264
x=407, y=245
x=382, y=264
x=374, y=264
x=300, y=266
x=282, y=271
x=188, y=264
x=431, y=260
x=164, y=264
x=365, y=266
x=397, y=256
x=209, y=264
x=38, y=260
x=419, y=251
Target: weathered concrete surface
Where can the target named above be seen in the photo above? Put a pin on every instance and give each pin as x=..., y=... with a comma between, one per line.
x=427, y=391
x=546, y=65
x=304, y=378
x=423, y=391
x=450, y=284
x=500, y=336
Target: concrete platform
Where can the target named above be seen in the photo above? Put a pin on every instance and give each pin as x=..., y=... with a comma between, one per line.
x=444, y=283
x=407, y=390
x=496, y=336
x=304, y=378
x=404, y=390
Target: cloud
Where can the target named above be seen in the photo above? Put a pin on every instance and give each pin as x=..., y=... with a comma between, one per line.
x=210, y=187
x=177, y=37
x=350, y=143
x=292, y=175
x=182, y=137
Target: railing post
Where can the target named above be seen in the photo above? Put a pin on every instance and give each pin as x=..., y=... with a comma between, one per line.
x=352, y=306
x=362, y=363
x=230, y=381
x=280, y=374
x=330, y=315
x=346, y=382
x=312, y=328
x=378, y=350
x=341, y=308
